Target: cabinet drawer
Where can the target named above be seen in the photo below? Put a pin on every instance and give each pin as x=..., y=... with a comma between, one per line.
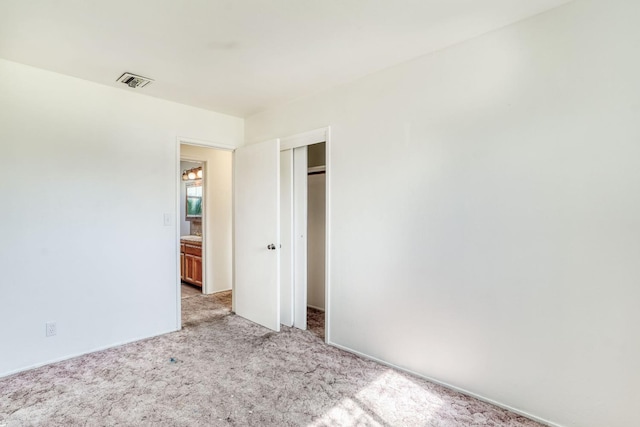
x=193, y=249
x=181, y=248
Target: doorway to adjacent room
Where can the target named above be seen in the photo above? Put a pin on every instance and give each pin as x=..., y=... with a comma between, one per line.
x=205, y=243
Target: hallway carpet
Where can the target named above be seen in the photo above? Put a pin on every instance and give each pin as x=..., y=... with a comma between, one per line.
x=222, y=370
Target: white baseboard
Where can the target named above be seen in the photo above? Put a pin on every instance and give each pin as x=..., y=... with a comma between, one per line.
x=449, y=386
x=314, y=307
x=73, y=356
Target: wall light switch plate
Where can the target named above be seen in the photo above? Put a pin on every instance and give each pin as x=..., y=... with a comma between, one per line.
x=51, y=329
x=168, y=220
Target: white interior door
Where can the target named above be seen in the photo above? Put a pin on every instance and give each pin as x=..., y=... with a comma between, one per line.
x=257, y=233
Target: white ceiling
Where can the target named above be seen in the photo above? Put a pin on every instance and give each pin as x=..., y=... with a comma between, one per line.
x=241, y=56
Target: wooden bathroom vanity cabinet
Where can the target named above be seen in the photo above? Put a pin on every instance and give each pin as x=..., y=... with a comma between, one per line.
x=191, y=260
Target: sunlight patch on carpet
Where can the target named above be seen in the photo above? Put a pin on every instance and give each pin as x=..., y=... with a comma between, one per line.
x=391, y=399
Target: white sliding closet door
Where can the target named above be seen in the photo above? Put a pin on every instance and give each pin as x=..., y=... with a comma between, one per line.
x=300, y=168
x=286, y=237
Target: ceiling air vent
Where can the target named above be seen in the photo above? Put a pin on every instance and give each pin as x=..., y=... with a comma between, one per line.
x=134, y=80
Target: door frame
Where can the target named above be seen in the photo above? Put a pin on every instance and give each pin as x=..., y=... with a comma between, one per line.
x=177, y=173
x=303, y=139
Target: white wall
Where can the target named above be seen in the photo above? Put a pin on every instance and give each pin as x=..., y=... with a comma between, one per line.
x=218, y=213
x=495, y=248
x=86, y=173
x=316, y=240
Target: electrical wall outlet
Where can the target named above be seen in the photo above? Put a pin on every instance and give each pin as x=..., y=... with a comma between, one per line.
x=51, y=329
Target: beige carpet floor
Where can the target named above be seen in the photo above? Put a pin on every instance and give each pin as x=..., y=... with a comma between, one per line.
x=222, y=370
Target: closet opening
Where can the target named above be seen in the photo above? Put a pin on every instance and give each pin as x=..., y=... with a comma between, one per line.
x=316, y=232
x=303, y=198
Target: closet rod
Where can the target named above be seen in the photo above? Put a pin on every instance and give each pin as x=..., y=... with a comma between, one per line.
x=316, y=170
